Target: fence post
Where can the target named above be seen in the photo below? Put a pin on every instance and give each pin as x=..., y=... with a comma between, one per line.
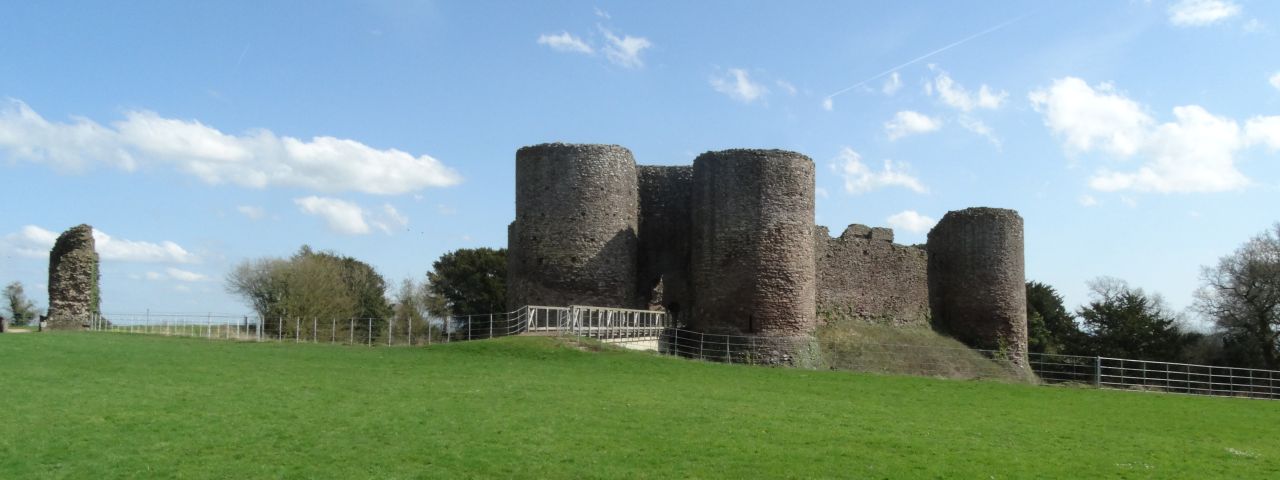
x=490, y=325
x=1097, y=371
x=370, y=332
x=352, y=330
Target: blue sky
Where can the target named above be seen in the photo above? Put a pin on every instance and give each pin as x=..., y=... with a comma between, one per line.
x=1137, y=139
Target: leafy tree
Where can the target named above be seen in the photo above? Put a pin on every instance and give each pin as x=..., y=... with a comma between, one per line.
x=21, y=309
x=312, y=285
x=1050, y=327
x=1241, y=294
x=471, y=281
x=1125, y=322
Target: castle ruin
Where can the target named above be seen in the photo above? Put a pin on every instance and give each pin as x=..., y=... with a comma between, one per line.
x=728, y=246
x=73, y=280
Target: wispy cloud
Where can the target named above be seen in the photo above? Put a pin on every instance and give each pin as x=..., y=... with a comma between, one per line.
x=892, y=84
x=911, y=221
x=1199, y=13
x=737, y=84
x=349, y=218
x=859, y=178
x=624, y=51
x=565, y=42
x=956, y=96
x=908, y=122
x=252, y=212
x=257, y=159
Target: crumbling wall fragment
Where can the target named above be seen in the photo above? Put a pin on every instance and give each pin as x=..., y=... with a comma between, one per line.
x=73, y=280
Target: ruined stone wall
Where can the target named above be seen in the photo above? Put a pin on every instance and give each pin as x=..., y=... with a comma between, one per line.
x=977, y=279
x=863, y=275
x=752, y=258
x=574, y=238
x=73, y=279
x=664, y=238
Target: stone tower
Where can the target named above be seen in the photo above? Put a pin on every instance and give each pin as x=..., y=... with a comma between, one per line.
x=752, y=258
x=73, y=279
x=977, y=279
x=574, y=238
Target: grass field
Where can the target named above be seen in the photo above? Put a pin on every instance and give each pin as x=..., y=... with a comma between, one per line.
x=123, y=406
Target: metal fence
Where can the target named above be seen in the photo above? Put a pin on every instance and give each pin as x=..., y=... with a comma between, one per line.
x=654, y=331
x=611, y=325
x=1147, y=375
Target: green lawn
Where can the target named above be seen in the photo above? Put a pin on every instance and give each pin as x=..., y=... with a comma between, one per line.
x=86, y=405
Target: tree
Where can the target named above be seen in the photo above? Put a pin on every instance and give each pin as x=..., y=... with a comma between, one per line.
x=21, y=309
x=1125, y=322
x=312, y=285
x=471, y=281
x=1241, y=294
x=1050, y=327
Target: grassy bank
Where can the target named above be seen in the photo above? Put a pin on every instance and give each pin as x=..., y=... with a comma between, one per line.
x=111, y=406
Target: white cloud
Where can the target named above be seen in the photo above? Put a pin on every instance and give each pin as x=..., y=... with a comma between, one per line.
x=1087, y=117
x=35, y=242
x=956, y=96
x=1263, y=131
x=828, y=104
x=911, y=221
x=257, y=159
x=1194, y=153
x=182, y=275
x=1087, y=200
x=737, y=84
x=624, y=51
x=253, y=212
x=908, y=122
x=341, y=216
x=1199, y=13
x=389, y=219
x=858, y=178
x=350, y=219
x=786, y=87
x=565, y=42
x=446, y=209
x=1274, y=80
x=977, y=126
x=603, y=14
x=821, y=192
x=892, y=84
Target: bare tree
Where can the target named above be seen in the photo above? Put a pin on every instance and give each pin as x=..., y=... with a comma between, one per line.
x=1241, y=294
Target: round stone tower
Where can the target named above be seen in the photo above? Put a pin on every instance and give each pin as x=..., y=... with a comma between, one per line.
x=752, y=256
x=73, y=279
x=977, y=277
x=574, y=238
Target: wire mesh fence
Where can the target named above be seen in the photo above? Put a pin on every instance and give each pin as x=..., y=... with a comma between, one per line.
x=655, y=331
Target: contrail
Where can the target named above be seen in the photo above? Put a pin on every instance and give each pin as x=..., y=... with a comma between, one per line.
x=927, y=55
x=241, y=59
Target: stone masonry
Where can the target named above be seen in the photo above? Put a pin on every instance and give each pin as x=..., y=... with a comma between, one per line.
x=664, y=246
x=574, y=238
x=729, y=247
x=863, y=275
x=977, y=279
x=73, y=280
